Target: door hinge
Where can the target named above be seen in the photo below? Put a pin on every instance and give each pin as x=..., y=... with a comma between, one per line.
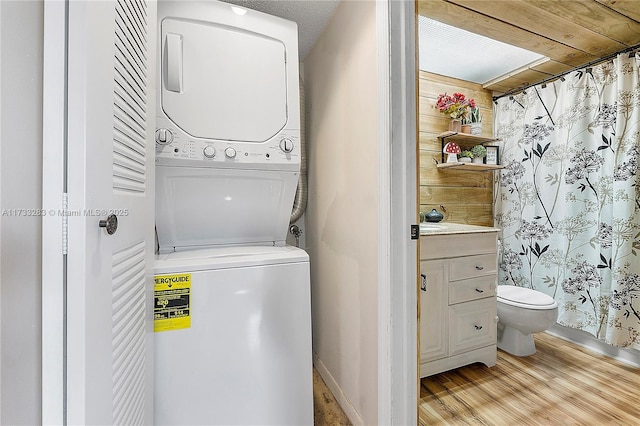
x=415, y=232
x=65, y=223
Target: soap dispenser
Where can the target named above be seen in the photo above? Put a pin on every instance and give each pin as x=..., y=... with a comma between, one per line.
x=434, y=216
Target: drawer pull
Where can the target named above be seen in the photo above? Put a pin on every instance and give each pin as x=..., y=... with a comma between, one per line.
x=423, y=284
x=479, y=268
x=479, y=290
x=478, y=327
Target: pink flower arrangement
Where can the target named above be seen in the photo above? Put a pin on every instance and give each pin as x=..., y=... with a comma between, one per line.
x=456, y=106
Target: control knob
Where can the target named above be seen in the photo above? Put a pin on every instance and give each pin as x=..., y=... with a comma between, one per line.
x=230, y=152
x=164, y=136
x=286, y=145
x=209, y=151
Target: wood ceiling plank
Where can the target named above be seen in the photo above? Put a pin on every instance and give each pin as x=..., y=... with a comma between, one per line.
x=452, y=14
x=521, y=79
x=630, y=8
x=599, y=17
x=552, y=67
x=557, y=27
x=505, y=86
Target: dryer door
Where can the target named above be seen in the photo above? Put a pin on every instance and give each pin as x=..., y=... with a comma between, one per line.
x=223, y=83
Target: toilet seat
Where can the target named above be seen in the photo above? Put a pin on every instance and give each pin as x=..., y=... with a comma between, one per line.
x=525, y=298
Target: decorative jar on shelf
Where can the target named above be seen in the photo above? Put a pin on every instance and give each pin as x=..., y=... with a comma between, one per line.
x=465, y=128
x=455, y=125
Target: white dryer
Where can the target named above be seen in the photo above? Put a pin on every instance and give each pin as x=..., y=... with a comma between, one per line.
x=233, y=317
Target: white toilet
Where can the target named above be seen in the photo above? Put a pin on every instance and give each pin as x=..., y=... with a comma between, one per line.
x=522, y=312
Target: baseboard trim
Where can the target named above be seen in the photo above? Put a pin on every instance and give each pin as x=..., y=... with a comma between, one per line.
x=586, y=340
x=335, y=389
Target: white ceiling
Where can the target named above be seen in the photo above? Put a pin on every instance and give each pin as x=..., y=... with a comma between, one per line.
x=310, y=15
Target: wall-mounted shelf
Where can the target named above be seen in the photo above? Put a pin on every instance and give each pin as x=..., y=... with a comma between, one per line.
x=465, y=137
x=470, y=166
x=467, y=140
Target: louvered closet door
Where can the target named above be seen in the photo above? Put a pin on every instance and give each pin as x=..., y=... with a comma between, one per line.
x=109, y=292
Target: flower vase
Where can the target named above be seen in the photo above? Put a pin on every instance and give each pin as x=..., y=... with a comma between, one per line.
x=465, y=128
x=477, y=160
x=455, y=125
x=476, y=128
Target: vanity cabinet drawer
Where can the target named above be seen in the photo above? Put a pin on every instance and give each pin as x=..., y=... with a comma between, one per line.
x=454, y=245
x=472, y=289
x=472, y=266
x=472, y=325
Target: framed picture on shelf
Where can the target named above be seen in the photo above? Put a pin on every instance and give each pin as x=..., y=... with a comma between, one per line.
x=492, y=155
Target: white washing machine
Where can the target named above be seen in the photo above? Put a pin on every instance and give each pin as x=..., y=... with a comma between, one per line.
x=233, y=316
x=246, y=357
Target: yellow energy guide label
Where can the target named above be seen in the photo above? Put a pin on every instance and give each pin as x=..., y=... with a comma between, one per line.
x=172, y=309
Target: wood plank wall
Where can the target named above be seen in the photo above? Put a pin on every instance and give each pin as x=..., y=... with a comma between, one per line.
x=466, y=196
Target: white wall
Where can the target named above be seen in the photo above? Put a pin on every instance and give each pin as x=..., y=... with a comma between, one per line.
x=342, y=213
x=21, y=38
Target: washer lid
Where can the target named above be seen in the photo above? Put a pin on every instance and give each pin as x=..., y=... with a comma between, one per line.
x=520, y=296
x=227, y=258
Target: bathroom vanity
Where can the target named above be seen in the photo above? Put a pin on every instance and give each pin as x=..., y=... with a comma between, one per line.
x=458, y=267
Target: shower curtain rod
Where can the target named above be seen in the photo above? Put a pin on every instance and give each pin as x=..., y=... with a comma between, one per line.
x=554, y=77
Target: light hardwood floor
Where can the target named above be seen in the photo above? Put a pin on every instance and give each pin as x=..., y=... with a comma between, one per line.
x=561, y=384
x=326, y=410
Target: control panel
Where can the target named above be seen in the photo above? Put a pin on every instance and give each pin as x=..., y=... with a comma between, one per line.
x=175, y=147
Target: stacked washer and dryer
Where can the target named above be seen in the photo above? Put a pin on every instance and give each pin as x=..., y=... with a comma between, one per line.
x=234, y=341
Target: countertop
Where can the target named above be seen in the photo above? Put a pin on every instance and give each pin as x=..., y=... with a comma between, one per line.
x=440, y=228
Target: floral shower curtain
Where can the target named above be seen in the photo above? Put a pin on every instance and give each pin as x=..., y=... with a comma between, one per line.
x=568, y=200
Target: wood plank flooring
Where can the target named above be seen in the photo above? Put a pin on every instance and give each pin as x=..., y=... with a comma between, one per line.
x=561, y=384
x=326, y=410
